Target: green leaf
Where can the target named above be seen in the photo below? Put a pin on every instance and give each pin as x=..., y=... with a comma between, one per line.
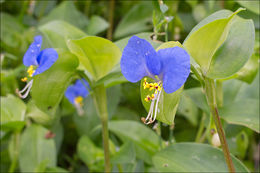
x=135, y=20
x=58, y=32
x=56, y=169
x=96, y=25
x=35, y=149
x=191, y=157
x=37, y=115
x=48, y=88
x=244, y=112
x=98, y=55
x=250, y=5
x=233, y=54
x=74, y=17
x=168, y=103
x=145, y=35
x=204, y=42
x=137, y=133
x=12, y=113
x=92, y=156
x=126, y=154
x=188, y=109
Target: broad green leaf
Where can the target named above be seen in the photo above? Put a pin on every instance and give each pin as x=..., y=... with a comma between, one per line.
x=168, y=103
x=145, y=35
x=98, y=55
x=48, y=88
x=191, y=157
x=137, y=133
x=204, y=42
x=56, y=169
x=135, y=20
x=91, y=155
x=96, y=25
x=250, y=5
x=58, y=32
x=244, y=112
x=126, y=154
x=188, y=109
x=233, y=54
x=12, y=113
x=37, y=115
x=35, y=149
x=67, y=12
x=249, y=71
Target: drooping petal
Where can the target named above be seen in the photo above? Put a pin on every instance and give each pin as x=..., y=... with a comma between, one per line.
x=139, y=59
x=71, y=93
x=82, y=88
x=30, y=57
x=176, y=68
x=46, y=59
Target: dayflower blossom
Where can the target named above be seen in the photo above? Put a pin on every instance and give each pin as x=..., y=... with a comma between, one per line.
x=75, y=94
x=168, y=67
x=37, y=62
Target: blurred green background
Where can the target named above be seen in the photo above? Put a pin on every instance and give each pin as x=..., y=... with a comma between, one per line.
x=20, y=22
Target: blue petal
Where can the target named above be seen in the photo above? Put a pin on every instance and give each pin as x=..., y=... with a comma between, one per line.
x=176, y=68
x=30, y=57
x=139, y=59
x=71, y=93
x=82, y=88
x=46, y=59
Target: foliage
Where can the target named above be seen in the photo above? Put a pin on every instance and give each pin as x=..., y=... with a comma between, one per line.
x=45, y=132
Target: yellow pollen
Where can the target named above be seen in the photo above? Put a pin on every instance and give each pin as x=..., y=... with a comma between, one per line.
x=79, y=100
x=151, y=86
x=24, y=79
x=30, y=71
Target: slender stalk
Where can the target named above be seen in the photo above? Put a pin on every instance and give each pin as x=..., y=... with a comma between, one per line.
x=111, y=19
x=16, y=152
x=211, y=99
x=201, y=127
x=219, y=92
x=100, y=99
x=171, y=127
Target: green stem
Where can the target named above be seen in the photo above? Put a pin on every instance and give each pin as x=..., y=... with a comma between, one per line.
x=211, y=99
x=16, y=152
x=100, y=99
x=166, y=32
x=201, y=127
x=219, y=92
x=197, y=74
x=111, y=19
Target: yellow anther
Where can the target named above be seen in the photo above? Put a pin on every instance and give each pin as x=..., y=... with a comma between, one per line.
x=153, y=96
x=30, y=71
x=79, y=100
x=147, y=98
x=24, y=79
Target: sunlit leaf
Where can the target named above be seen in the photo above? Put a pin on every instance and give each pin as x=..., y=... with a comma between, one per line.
x=190, y=157
x=35, y=148
x=98, y=55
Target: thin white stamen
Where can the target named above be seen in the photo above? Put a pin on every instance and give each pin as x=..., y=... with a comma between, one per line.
x=79, y=109
x=150, y=111
x=27, y=88
x=156, y=107
x=24, y=89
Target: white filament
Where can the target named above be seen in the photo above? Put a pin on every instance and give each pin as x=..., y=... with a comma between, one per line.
x=27, y=88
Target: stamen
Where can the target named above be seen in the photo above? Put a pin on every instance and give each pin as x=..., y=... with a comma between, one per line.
x=27, y=88
x=78, y=101
x=30, y=71
x=156, y=107
x=24, y=79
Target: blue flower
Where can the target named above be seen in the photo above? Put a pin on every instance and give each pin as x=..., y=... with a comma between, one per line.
x=169, y=68
x=38, y=61
x=75, y=94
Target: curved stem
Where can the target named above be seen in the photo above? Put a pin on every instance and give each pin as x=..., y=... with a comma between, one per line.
x=211, y=99
x=100, y=99
x=111, y=19
x=201, y=127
